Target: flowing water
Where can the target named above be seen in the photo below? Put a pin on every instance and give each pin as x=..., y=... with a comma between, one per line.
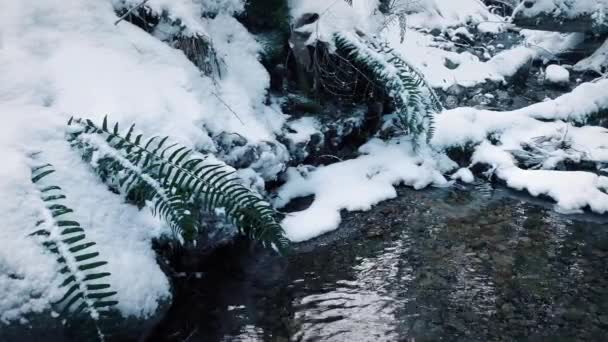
x=456, y=264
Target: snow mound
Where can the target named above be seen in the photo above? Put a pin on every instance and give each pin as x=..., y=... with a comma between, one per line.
x=573, y=191
x=556, y=74
x=355, y=184
x=597, y=62
x=464, y=175
x=541, y=145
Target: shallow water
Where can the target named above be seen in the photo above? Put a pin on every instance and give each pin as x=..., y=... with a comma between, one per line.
x=474, y=264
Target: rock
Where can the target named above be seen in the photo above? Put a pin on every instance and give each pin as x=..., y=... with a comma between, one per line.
x=481, y=99
x=450, y=64
x=277, y=78
x=556, y=75
x=456, y=90
x=503, y=98
x=228, y=141
x=436, y=32
x=451, y=102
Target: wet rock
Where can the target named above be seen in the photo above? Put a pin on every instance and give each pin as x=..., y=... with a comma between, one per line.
x=450, y=64
x=456, y=90
x=503, y=99
x=436, y=32
x=481, y=100
x=228, y=141
x=278, y=78
x=451, y=102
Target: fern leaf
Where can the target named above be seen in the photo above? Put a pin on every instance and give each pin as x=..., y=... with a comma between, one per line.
x=415, y=100
x=178, y=183
x=81, y=264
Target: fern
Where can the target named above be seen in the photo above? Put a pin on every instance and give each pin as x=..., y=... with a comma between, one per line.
x=415, y=101
x=84, y=290
x=179, y=184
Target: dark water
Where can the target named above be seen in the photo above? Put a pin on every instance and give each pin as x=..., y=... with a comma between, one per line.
x=437, y=265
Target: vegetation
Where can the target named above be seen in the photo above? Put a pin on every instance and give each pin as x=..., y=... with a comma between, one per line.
x=85, y=291
x=415, y=101
x=179, y=185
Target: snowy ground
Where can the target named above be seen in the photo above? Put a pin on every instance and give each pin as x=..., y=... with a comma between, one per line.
x=57, y=61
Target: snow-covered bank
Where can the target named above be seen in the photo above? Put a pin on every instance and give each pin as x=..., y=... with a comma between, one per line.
x=360, y=183
x=470, y=70
x=572, y=191
x=542, y=136
x=59, y=60
x=355, y=184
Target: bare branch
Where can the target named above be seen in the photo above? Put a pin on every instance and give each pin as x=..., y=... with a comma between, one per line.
x=130, y=11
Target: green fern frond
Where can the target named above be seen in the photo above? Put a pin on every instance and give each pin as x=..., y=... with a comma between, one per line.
x=85, y=292
x=178, y=183
x=416, y=102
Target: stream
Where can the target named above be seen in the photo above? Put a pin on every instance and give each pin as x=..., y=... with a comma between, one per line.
x=466, y=263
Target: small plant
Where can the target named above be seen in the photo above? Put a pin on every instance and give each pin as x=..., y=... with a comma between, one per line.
x=174, y=181
x=415, y=101
x=85, y=292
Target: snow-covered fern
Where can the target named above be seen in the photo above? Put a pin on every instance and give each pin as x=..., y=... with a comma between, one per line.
x=177, y=184
x=85, y=291
x=415, y=101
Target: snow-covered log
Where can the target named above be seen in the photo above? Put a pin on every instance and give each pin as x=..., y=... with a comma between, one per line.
x=563, y=15
x=597, y=62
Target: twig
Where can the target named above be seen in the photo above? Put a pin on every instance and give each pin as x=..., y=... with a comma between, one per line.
x=227, y=106
x=130, y=11
x=331, y=156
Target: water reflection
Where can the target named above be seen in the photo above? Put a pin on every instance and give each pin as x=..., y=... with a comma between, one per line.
x=451, y=265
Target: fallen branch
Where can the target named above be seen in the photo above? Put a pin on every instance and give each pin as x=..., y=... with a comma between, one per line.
x=130, y=11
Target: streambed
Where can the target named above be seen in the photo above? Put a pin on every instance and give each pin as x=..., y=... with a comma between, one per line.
x=472, y=263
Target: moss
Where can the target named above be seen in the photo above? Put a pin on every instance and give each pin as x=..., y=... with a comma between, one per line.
x=267, y=15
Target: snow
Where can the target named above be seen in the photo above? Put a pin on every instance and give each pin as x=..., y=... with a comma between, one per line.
x=556, y=74
x=188, y=12
x=57, y=61
x=464, y=125
x=355, y=184
x=565, y=8
x=360, y=183
x=334, y=16
x=463, y=174
x=441, y=14
x=597, y=62
x=419, y=49
x=585, y=100
x=303, y=128
x=572, y=190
